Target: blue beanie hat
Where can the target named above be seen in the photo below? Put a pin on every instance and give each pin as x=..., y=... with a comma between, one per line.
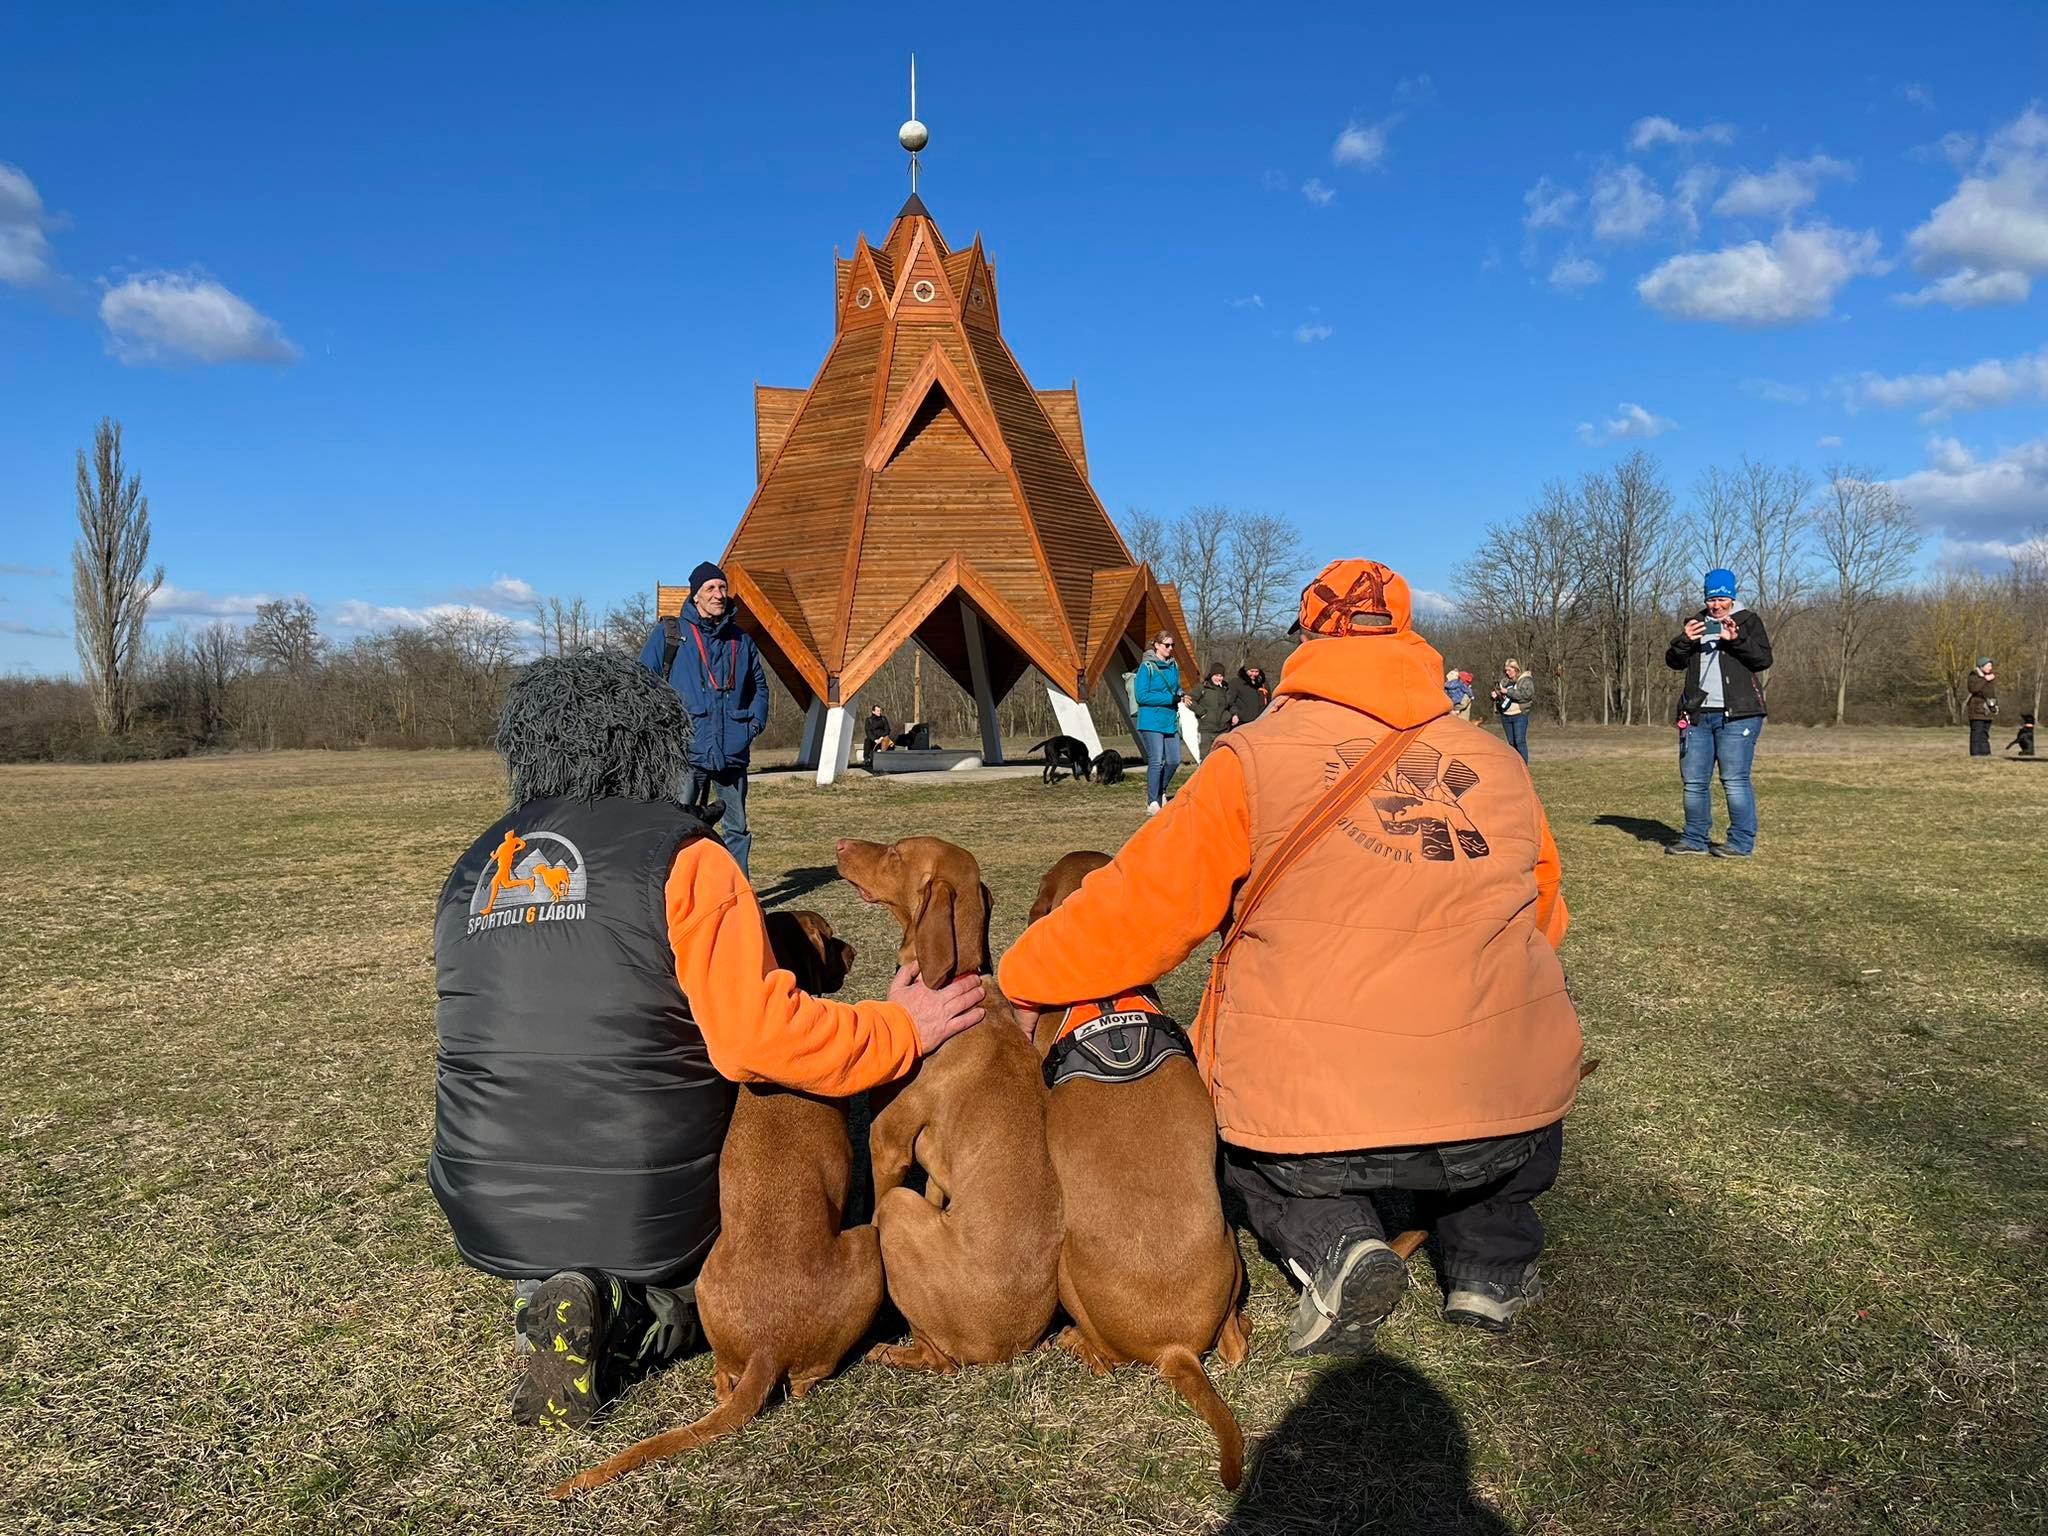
x=706, y=571
x=1720, y=582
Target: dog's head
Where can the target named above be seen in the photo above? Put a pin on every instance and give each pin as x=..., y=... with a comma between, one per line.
x=934, y=888
x=804, y=944
x=1063, y=879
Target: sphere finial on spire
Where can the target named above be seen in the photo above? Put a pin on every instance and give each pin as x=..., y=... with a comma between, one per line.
x=913, y=135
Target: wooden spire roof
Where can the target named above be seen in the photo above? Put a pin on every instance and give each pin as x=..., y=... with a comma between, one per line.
x=921, y=465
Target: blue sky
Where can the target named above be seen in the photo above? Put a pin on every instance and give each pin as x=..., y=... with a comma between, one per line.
x=411, y=305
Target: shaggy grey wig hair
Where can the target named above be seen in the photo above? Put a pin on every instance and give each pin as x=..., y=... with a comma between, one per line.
x=593, y=725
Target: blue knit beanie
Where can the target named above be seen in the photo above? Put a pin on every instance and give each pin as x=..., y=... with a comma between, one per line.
x=1720, y=582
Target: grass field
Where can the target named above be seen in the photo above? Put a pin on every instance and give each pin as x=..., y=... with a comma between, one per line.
x=1797, y=1248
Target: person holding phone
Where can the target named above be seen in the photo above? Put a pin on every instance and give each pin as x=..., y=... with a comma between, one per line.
x=1723, y=650
x=1982, y=708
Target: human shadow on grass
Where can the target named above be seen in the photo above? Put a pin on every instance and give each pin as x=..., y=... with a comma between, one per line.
x=792, y=883
x=1641, y=828
x=1373, y=1447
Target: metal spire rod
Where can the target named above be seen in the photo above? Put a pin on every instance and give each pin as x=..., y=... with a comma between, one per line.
x=913, y=135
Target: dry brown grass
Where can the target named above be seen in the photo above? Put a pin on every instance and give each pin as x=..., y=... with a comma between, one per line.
x=1796, y=1249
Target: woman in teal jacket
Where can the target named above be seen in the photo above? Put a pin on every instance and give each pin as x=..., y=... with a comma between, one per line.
x=1156, y=691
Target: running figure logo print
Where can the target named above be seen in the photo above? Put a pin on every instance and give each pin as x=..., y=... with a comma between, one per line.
x=1418, y=798
x=536, y=878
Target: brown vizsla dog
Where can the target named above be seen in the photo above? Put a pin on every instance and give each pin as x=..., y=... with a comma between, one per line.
x=784, y=1294
x=971, y=1263
x=1149, y=1271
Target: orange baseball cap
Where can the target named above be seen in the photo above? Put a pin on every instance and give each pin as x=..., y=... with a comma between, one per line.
x=1354, y=597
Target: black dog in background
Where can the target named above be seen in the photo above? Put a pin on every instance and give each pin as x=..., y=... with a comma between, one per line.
x=1069, y=752
x=1109, y=768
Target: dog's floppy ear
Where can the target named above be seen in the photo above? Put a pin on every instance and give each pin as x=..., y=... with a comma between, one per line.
x=937, y=948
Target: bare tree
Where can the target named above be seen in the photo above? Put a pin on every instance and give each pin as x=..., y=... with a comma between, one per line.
x=286, y=636
x=1150, y=543
x=1770, y=538
x=1963, y=615
x=109, y=593
x=1200, y=540
x=1263, y=561
x=1868, y=539
x=2027, y=583
x=626, y=624
x=1629, y=554
x=565, y=626
x=1713, y=520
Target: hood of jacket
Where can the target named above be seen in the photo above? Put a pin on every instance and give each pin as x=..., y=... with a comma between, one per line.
x=1394, y=677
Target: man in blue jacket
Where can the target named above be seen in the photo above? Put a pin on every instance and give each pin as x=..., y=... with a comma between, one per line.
x=717, y=669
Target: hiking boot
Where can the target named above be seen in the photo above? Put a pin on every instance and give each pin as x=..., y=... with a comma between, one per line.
x=1683, y=848
x=564, y=1324
x=1491, y=1304
x=1723, y=851
x=1353, y=1291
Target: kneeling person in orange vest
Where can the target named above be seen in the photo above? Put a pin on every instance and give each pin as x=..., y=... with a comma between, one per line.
x=604, y=979
x=1387, y=1011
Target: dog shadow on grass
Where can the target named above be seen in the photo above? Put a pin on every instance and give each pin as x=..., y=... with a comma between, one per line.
x=1641, y=828
x=792, y=883
x=1373, y=1447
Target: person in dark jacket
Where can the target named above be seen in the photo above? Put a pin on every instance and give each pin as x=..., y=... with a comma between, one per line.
x=1724, y=650
x=1982, y=707
x=1212, y=705
x=716, y=669
x=1250, y=694
x=604, y=980
x=878, y=730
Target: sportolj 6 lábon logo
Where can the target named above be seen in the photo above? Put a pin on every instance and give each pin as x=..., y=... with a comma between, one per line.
x=538, y=878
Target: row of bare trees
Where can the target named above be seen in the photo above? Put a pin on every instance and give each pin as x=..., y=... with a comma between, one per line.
x=1589, y=584
x=1239, y=574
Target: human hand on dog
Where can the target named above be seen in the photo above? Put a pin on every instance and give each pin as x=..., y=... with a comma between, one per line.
x=1027, y=1019
x=937, y=1014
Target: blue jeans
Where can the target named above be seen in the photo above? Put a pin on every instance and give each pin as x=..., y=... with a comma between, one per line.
x=1517, y=728
x=1714, y=738
x=1162, y=762
x=729, y=787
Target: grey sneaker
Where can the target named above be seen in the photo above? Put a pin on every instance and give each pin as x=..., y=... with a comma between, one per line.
x=1683, y=848
x=563, y=1325
x=1353, y=1291
x=1490, y=1304
x=1723, y=851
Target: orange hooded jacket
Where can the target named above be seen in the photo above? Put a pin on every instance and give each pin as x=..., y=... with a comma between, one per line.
x=1399, y=986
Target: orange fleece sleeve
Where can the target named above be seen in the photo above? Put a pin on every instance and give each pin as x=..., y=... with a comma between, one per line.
x=1143, y=913
x=1551, y=917
x=758, y=1026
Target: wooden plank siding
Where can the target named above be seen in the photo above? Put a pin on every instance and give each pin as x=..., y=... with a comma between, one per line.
x=774, y=412
x=1063, y=407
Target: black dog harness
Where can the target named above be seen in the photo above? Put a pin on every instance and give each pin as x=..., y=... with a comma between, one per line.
x=1117, y=1040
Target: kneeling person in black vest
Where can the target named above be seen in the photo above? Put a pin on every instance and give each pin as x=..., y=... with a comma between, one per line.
x=604, y=979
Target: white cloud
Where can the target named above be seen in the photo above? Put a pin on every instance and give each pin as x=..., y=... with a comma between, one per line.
x=1314, y=190
x=1361, y=144
x=1550, y=206
x=1572, y=272
x=1917, y=94
x=14, y=568
x=1793, y=278
x=1626, y=204
x=1993, y=231
x=1276, y=181
x=1970, y=289
x=1995, y=381
x=1788, y=186
x=25, y=255
x=498, y=592
x=1417, y=91
x=1650, y=131
x=1777, y=393
x=172, y=316
x=1311, y=332
x=2003, y=497
x=1691, y=189
x=174, y=601
x=1830, y=441
x=1249, y=301
x=1633, y=421
x=355, y=613
x=1427, y=600
x=17, y=627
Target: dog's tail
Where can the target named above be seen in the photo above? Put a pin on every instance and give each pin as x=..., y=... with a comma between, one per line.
x=1183, y=1369
x=748, y=1394
x=1037, y=746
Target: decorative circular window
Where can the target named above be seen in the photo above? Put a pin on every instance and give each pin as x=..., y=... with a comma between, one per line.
x=864, y=298
x=923, y=291
x=977, y=300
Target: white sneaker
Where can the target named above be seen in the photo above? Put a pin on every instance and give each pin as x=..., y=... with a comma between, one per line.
x=1152, y=809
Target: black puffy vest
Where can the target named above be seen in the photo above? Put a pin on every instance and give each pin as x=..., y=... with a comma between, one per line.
x=578, y=1117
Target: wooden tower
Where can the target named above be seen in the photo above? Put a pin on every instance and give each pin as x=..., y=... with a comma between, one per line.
x=920, y=490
